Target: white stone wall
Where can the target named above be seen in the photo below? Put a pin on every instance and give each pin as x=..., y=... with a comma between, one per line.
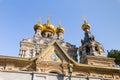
x=7, y=75
x=15, y=76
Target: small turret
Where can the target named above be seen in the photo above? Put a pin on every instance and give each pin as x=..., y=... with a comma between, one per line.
x=38, y=29
x=60, y=32
x=89, y=45
x=86, y=28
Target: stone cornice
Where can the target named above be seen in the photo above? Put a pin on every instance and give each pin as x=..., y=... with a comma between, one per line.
x=13, y=58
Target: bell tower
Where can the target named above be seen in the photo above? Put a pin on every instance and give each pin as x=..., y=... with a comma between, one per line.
x=92, y=52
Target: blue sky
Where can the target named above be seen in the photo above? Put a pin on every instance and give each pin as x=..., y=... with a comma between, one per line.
x=17, y=18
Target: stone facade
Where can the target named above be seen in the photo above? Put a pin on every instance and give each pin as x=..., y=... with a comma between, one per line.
x=41, y=76
x=47, y=56
x=92, y=52
x=44, y=35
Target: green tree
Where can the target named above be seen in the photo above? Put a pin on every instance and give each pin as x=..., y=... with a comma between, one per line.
x=115, y=54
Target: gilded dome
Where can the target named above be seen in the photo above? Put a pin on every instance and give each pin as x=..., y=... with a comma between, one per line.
x=38, y=26
x=49, y=27
x=60, y=29
x=85, y=26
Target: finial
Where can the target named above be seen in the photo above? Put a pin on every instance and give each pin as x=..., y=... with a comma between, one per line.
x=85, y=26
x=39, y=20
x=84, y=18
x=59, y=23
x=48, y=19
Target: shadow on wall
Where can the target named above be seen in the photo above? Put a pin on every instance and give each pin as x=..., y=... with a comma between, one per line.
x=60, y=77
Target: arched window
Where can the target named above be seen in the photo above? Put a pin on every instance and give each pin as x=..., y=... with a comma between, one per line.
x=97, y=49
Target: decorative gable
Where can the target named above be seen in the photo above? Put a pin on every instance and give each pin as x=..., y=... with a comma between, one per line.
x=53, y=53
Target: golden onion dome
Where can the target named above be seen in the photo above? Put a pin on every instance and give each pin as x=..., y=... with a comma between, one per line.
x=59, y=29
x=38, y=26
x=49, y=27
x=85, y=25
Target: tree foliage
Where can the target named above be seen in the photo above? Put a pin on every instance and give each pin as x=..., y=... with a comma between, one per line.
x=115, y=54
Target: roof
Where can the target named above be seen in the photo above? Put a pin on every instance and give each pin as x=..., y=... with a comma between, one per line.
x=73, y=61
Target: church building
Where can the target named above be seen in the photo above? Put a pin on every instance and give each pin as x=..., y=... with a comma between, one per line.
x=47, y=56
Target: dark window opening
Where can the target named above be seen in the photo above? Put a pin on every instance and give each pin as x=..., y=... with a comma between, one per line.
x=96, y=48
x=87, y=50
x=54, y=72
